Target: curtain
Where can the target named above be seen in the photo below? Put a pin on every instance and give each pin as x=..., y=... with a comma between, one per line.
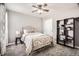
x=2, y=28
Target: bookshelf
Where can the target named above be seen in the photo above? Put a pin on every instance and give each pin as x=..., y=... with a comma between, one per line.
x=68, y=32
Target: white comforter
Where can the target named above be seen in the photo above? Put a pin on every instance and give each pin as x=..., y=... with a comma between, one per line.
x=32, y=40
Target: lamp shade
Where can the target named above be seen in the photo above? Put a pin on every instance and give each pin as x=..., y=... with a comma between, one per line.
x=17, y=32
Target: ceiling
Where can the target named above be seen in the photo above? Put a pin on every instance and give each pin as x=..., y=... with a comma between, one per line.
x=26, y=8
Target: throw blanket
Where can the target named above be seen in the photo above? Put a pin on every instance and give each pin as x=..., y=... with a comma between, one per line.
x=28, y=43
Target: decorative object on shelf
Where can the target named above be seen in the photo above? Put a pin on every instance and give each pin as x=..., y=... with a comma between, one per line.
x=70, y=32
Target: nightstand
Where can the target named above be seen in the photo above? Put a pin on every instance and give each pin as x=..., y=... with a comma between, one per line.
x=18, y=39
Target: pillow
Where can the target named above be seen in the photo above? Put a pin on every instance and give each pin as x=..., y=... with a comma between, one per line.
x=25, y=31
x=28, y=31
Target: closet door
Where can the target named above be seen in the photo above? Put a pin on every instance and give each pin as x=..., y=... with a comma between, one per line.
x=77, y=32
x=60, y=32
x=65, y=32
x=69, y=32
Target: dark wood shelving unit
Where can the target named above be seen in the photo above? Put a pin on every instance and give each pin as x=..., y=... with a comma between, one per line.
x=68, y=32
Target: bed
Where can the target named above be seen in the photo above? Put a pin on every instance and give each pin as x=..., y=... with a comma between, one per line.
x=34, y=40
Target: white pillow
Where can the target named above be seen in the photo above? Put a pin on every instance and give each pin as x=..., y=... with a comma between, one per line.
x=25, y=31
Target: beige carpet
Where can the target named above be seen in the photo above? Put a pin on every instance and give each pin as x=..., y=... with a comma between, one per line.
x=57, y=50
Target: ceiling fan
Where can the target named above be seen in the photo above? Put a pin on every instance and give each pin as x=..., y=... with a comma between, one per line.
x=40, y=8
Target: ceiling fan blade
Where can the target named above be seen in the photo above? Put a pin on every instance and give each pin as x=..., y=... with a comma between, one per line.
x=34, y=6
x=34, y=11
x=46, y=10
x=38, y=6
x=45, y=4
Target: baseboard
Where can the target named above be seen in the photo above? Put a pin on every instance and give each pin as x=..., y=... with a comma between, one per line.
x=9, y=44
x=13, y=43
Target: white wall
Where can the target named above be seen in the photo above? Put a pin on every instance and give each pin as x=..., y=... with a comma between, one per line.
x=59, y=14
x=47, y=23
x=17, y=21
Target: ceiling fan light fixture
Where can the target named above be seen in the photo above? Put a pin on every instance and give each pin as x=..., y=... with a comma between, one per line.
x=34, y=8
x=40, y=11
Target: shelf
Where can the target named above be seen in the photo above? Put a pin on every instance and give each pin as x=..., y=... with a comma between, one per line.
x=70, y=24
x=61, y=34
x=62, y=25
x=58, y=27
x=69, y=29
x=69, y=44
x=66, y=24
x=61, y=41
x=66, y=28
x=67, y=38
